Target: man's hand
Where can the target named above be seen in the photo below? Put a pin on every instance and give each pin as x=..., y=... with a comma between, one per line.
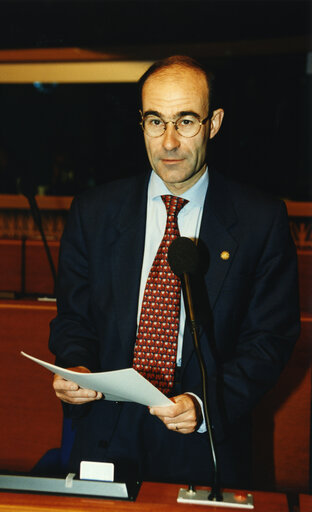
x=71, y=393
x=184, y=415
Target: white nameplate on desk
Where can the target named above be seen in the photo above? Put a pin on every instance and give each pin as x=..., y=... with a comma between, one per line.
x=103, y=471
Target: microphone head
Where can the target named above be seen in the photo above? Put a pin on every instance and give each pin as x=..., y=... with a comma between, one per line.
x=183, y=256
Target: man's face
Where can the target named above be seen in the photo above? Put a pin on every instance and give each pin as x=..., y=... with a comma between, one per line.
x=179, y=161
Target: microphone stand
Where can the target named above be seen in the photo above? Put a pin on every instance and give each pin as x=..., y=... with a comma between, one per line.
x=37, y=218
x=184, y=260
x=191, y=495
x=215, y=494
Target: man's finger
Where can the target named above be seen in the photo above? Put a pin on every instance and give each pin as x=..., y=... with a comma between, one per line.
x=182, y=416
x=180, y=405
x=69, y=392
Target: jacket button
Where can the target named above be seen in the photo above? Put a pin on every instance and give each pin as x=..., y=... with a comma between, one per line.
x=103, y=444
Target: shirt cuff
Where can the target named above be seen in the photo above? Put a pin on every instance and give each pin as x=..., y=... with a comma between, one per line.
x=202, y=427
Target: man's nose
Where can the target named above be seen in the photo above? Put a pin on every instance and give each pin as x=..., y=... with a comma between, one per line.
x=171, y=138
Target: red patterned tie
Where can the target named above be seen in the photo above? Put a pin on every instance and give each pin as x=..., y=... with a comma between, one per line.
x=155, y=350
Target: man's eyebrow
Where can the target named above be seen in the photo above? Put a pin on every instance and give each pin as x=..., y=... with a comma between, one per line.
x=188, y=113
x=151, y=113
x=178, y=114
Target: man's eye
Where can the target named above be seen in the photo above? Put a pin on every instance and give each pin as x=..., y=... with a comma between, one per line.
x=154, y=121
x=186, y=121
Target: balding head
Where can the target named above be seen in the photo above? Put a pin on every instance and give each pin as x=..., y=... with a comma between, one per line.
x=176, y=65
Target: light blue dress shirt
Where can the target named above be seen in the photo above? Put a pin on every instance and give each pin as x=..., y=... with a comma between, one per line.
x=189, y=221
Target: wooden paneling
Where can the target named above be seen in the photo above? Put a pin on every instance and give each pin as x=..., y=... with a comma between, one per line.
x=17, y=222
x=305, y=280
x=11, y=265
x=38, y=276
x=305, y=502
x=31, y=416
x=37, y=273
x=282, y=424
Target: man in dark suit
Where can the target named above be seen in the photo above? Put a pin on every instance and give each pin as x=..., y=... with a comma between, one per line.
x=245, y=293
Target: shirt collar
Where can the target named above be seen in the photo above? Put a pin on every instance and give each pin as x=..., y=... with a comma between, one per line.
x=195, y=195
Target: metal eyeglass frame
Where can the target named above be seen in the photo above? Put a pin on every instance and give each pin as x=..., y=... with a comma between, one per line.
x=201, y=123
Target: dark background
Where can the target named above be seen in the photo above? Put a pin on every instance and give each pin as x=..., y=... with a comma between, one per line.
x=50, y=23
x=72, y=136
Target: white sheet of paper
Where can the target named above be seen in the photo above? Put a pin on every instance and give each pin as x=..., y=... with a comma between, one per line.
x=119, y=385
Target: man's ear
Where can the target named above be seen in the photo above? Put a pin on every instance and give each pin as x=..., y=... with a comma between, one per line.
x=215, y=122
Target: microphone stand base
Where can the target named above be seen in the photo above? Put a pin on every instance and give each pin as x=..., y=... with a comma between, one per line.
x=230, y=499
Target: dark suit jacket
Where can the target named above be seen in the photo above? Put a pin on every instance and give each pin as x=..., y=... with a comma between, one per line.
x=248, y=312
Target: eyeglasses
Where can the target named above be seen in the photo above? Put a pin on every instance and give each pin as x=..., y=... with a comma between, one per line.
x=187, y=125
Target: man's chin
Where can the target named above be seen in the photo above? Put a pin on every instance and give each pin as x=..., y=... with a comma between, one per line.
x=177, y=179
x=172, y=173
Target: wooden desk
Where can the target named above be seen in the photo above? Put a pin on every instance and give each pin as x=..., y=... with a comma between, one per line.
x=152, y=497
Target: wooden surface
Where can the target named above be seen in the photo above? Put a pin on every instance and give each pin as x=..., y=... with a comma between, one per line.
x=299, y=208
x=31, y=416
x=55, y=54
x=305, y=280
x=305, y=502
x=11, y=265
x=37, y=273
x=282, y=423
x=20, y=202
x=152, y=497
x=202, y=50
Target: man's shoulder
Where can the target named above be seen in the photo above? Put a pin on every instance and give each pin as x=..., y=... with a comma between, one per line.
x=113, y=193
x=244, y=197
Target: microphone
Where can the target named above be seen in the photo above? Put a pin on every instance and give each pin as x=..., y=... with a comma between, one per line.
x=183, y=259
x=28, y=189
x=183, y=256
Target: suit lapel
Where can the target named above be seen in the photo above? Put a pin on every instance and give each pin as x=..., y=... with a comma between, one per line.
x=217, y=250
x=216, y=239
x=126, y=263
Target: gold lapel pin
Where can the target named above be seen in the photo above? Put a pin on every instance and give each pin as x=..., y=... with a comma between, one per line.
x=225, y=255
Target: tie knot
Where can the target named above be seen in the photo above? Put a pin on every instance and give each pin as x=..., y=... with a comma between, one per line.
x=173, y=204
